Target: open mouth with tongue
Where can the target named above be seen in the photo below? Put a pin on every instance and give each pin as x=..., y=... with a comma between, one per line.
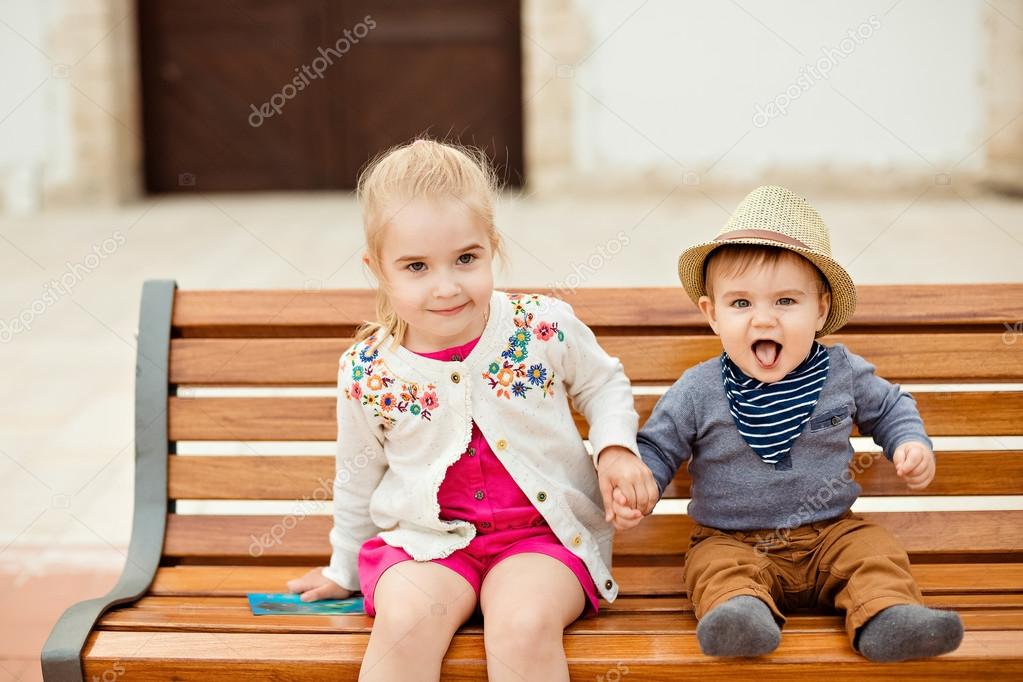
x=767, y=353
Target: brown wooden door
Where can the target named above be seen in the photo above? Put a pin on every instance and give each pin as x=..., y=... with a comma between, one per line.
x=278, y=95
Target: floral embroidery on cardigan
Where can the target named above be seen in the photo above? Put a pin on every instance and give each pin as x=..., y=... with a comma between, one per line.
x=510, y=375
x=383, y=391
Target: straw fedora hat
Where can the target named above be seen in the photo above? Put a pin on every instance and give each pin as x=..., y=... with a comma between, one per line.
x=775, y=216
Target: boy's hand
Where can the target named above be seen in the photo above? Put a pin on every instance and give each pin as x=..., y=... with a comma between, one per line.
x=314, y=586
x=914, y=463
x=620, y=468
x=625, y=517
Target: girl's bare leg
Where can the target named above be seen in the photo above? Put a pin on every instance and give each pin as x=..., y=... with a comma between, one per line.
x=419, y=606
x=527, y=601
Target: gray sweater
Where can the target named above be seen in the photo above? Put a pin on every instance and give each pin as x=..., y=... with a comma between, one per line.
x=732, y=489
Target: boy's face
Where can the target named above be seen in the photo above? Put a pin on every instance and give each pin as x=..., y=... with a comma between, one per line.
x=767, y=316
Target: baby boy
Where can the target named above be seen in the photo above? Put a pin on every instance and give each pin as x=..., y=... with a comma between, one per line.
x=764, y=430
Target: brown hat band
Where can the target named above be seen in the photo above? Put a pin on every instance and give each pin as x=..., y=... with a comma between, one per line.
x=769, y=235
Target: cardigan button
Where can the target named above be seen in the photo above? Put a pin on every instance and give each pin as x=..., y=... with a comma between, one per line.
x=471, y=451
x=609, y=584
x=577, y=540
x=501, y=444
x=835, y=420
x=541, y=496
x=479, y=495
x=455, y=378
x=456, y=358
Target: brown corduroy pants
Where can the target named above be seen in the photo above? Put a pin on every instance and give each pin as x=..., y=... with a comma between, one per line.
x=846, y=563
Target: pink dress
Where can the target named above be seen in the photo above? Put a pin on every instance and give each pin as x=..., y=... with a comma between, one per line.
x=477, y=488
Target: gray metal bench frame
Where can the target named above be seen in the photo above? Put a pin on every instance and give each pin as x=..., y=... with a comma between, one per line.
x=61, y=655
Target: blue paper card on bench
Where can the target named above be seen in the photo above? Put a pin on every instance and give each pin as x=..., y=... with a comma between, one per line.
x=285, y=604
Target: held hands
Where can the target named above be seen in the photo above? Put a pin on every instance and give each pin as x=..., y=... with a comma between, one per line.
x=625, y=516
x=914, y=463
x=314, y=586
x=627, y=486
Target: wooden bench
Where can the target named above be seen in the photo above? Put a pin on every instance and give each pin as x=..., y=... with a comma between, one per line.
x=179, y=611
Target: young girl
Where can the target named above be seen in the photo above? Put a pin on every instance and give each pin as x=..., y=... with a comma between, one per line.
x=461, y=478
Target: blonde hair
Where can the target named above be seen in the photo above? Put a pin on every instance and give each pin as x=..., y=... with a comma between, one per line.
x=421, y=169
x=735, y=259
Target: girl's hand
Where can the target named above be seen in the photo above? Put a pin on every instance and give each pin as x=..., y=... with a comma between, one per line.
x=314, y=586
x=914, y=463
x=625, y=517
x=620, y=468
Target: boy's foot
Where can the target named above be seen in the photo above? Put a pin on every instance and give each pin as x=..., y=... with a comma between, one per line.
x=909, y=631
x=742, y=626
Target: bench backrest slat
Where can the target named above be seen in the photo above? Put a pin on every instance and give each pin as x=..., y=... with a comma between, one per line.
x=298, y=537
x=322, y=313
x=972, y=413
x=650, y=359
x=294, y=477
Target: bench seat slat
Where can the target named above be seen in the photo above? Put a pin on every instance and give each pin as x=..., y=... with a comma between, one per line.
x=1007, y=607
x=188, y=582
x=232, y=614
x=224, y=656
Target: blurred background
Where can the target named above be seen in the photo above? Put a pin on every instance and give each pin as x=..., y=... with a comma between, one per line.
x=217, y=143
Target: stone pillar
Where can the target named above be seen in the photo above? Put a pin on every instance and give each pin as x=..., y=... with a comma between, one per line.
x=553, y=41
x=95, y=78
x=1004, y=131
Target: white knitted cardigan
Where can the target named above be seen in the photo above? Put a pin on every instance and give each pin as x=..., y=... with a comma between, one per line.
x=403, y=419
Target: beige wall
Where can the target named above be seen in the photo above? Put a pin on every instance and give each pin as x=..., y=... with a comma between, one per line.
x=72, y=132
x=661, y=94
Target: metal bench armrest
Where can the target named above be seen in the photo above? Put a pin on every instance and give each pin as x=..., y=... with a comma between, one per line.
x=61, y=655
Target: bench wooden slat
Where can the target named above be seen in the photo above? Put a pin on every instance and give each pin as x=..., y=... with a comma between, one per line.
x=336, y=312
x=968, y=413
x=297, y=477
x=993, y=610
x=228, y=656
x=959, y=472
x=243, y=539
x=245, y=477
x=905, y=358
x=189, y=582
x=232, y=614
x=252, y=418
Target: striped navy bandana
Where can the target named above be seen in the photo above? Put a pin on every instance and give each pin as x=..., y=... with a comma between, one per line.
x=771, y=416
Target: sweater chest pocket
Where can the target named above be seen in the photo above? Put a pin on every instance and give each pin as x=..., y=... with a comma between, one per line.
x=830, y=419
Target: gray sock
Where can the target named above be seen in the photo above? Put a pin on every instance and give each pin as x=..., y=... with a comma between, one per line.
x=742, y=626
x=909, y=631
